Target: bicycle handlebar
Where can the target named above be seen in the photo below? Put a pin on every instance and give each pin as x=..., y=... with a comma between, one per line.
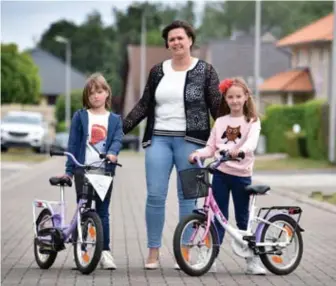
x=64, y=153
x=225, y=156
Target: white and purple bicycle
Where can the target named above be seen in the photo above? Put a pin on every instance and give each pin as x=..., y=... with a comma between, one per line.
x=85, y=230
x=270, y=233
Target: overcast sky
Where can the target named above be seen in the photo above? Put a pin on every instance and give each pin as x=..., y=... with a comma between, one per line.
x=22, y=21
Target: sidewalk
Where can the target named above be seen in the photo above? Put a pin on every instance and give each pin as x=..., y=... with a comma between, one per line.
x=128, y=237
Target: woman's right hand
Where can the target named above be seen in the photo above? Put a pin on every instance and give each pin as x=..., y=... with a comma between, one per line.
x=192, y=157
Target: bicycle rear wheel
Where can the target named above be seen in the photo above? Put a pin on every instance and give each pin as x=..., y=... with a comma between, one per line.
x=87, y=254
x=277, y=262
x=44, y=258
x=194, y=255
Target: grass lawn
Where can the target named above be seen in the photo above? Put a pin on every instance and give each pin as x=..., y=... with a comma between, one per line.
x=319, y=196
x=290, y=164
x=22, y=155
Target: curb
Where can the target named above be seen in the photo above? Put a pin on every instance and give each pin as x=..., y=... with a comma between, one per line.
x=306, y=200
x=25, y=173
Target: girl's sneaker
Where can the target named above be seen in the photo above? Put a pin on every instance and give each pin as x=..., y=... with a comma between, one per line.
x=107, y=261
x=254, y=267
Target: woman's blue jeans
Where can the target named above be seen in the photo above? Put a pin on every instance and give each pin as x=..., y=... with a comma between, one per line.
x=164, y=153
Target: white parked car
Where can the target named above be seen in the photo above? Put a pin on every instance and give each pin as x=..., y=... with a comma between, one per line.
x=24, y=129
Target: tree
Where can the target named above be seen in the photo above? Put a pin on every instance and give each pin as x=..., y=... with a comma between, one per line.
x=76, y=103
x=20, y=82
x=62, y=28
x=186, y=13
x=222, y=19
x=213, y=25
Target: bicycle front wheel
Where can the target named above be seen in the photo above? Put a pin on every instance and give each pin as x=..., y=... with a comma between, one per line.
x=87, y=254
x=278, y=260
x=193, y=253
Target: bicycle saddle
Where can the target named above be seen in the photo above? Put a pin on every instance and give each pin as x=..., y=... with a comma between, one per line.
x=62, y=181
x=257, y=189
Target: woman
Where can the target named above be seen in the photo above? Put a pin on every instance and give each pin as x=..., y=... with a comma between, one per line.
x=176, y=101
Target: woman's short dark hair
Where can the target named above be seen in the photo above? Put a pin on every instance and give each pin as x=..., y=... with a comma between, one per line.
x=179, y=24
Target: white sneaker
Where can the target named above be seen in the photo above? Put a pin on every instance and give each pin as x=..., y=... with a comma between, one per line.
x=202, y=255
x=254, y=267
x=213, y=268
x=107, y=261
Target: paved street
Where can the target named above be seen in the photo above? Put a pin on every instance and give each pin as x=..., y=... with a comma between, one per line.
x=128, y=237
x=301, y=182
x=9, y=168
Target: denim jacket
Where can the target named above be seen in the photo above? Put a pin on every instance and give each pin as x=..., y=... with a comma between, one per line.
x=78, y=138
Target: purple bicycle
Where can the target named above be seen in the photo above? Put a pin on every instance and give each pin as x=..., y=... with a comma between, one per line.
x=85, y=230
x=270, y=233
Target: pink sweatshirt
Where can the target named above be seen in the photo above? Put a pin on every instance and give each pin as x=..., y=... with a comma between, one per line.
x=230, y=133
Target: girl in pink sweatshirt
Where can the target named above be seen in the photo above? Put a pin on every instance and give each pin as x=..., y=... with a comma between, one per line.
x=237, y=129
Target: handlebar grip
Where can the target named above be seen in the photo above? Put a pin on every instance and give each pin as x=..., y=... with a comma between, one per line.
x=103, y=156
x=56, y=153
x=241, y=154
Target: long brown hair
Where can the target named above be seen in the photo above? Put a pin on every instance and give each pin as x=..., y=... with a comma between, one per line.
x=249, y=109
x=96, y=81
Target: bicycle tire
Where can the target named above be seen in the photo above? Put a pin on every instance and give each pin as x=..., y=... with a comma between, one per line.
x=53, y=254
x=177, y=245
x=265, y=257
x=98, y=246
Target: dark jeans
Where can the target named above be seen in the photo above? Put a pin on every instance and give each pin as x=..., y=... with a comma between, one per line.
x=222, y=184
x=102, y=207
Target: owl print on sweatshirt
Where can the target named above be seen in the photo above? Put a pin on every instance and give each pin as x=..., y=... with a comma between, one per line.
x=231, y=134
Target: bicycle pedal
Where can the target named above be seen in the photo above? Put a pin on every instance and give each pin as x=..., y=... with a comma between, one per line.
x=46, y=250
x=250, y=238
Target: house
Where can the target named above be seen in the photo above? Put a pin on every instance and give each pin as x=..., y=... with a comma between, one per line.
x=310, y=73
x=234, y=57
x=52, y=74
x=154, y=55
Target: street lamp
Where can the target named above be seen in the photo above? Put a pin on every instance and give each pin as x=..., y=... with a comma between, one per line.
x=257, y=29
x=142, y=70
x=67, y=43
x=332, y=97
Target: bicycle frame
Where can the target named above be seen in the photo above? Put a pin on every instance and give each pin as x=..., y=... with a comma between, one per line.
x=58, y=219
x=211, y=210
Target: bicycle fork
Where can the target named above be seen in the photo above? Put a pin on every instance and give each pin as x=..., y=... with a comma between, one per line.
x=79, y=227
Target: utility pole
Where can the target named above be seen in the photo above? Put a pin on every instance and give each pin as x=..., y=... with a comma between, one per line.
x=142, y=71
x=257, y=52
x=67, y=43
x=332, y=97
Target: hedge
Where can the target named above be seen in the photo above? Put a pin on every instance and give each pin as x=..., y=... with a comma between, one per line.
x=280, y=119
x=296, y=144
x=316, y=128
x=312, y=116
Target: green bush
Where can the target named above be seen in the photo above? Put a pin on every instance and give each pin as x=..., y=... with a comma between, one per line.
x=263, y=122
x=296, y=144
x=136, y=131
x=76, y=103
x=279, y=119
x=61, y=127
x=317, y=130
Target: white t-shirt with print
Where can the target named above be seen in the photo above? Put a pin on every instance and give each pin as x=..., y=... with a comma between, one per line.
x=97, y=134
